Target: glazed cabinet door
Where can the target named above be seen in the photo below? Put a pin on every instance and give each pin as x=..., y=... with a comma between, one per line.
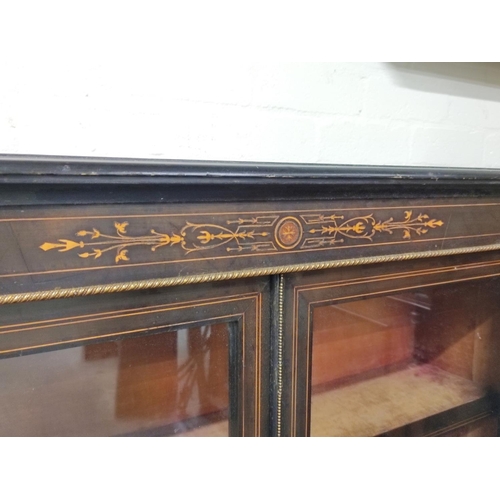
x=179, y=361
x=408, y=349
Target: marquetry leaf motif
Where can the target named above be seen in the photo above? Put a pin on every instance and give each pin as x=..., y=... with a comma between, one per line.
x=364, y=227
x=63, y=245
x=252, y=234
x=191, y=238
x=101, y=243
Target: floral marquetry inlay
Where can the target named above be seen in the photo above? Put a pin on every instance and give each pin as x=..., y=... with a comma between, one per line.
x=255, y=234
x=334, y=228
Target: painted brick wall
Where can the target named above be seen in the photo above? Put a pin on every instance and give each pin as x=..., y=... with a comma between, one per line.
x=445, y=114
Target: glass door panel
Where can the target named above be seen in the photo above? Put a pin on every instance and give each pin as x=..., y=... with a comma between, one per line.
x=184, y=361
x=174, y=383
x=423, y=362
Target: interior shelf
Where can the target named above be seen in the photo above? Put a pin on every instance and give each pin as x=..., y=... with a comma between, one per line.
x=216, y=429
x=378, y=405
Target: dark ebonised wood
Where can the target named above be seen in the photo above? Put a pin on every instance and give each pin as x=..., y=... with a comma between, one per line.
x=40, y=180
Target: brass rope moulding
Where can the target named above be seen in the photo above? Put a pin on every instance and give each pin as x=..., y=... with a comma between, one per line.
x=129, y=286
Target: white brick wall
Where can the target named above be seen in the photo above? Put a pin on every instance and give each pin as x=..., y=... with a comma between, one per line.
x=358, y=113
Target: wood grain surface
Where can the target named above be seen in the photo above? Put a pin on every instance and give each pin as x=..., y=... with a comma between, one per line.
x=63, y=247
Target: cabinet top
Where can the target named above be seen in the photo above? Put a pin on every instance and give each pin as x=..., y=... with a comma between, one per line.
x=119, y=180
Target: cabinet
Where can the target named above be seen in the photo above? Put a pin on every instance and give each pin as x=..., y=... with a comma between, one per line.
x=155, y=298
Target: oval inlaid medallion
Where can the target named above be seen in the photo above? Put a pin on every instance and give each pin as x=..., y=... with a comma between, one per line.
x=288, y=233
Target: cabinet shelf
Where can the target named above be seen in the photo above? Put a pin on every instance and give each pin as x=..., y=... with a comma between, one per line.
x=379, y=405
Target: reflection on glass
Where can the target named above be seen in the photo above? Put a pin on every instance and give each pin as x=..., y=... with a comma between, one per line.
x=419, y=363
x=168, y=384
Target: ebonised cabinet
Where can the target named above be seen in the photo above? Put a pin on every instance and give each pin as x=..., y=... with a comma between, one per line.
x=163, y=298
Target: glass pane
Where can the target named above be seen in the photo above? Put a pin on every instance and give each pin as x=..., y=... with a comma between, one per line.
x=417, y=363
x=168, y=384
